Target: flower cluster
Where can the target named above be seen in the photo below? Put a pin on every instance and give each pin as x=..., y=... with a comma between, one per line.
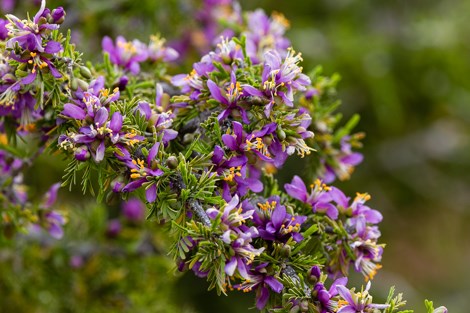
x=205, y=161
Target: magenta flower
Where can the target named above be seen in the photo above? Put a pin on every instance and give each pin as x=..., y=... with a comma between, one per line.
x=228, y=97
x=357, y=302
x=141, y=170
x=126, y=54
x=280, y=78
x=275, y=224
x=320, y=196
x=133, y=210
x=262, y=282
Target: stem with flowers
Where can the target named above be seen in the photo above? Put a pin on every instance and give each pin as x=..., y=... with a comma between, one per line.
x=201, y=150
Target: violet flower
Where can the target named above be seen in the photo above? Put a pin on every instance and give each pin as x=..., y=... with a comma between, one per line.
x=280, y=78
x=260, y=280
x=319, y=197
x=357, y=301
x=228, y=98
x=126, y=54
x=133, y=210
x=325, y=298
x=275, y=224
x=141, y=170
x=264, y=33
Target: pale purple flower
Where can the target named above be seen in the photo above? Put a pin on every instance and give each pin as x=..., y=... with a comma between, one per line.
x=126, y=54
x=357, y=301
x=133, y=210
x=319, y=197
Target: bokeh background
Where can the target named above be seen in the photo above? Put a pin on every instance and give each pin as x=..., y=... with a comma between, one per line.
x=405, y=68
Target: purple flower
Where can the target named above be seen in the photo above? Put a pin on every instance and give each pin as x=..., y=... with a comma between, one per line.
x=228, y=97
x=319, y=197
x=275, y=224
x=260, y=280
x=126, y=54
x=280, y=78
x=341, y=163
x=357, y=301
x=133, y=210
x=141, y=170
x=237, y=235
x=113, y=228
x=158, y=52
x=265, y=34
x=54, y=222
x=326, y=304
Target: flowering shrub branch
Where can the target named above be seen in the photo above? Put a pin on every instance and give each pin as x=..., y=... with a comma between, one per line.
x=200, y=149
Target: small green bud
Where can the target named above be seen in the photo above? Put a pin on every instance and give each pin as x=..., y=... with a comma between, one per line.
x=280, y=133
x=295, y=309
x=286, y=250
x=85, y=72
x=74, y=84
x=172, y=162
x=82, y=84
x=188, y=138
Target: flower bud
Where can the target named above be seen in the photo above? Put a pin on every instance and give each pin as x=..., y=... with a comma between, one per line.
x=172, y=162
x=188, y=138
x=85, y=72
x=313, y=274
x=58, y=15
x=82, y=153
x=82, y=84
x=280, y=133
x=303, y=306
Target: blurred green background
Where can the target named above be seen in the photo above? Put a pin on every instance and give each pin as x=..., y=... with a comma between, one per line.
x=405, y=68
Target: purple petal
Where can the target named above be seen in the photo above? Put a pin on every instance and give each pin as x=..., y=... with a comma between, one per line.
x=144, y=108
x=134, y=185
x=108, y=46
x=218, y=155
x=52, y=47
x=345, y=294
x=347, y=309
x=116, y=122
x=297, y=189
x=153, y=153
x=252, y=91
x=342, y=281
x=215, y=92
x=338, y=196
x=159, y=95
x=28, y=79
x=278, y=216
x=274, y=284
x=262, y=298
x=230, y=142
x=51, y=196
x=236, y=161
x=373, y=216
x=40, y=12
x=101, y=116
x=151, y=193
x=231, y=266
x=100, y=152
x=73, y=111
x=327, y=208
x=254, y=184
x=352, y=159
